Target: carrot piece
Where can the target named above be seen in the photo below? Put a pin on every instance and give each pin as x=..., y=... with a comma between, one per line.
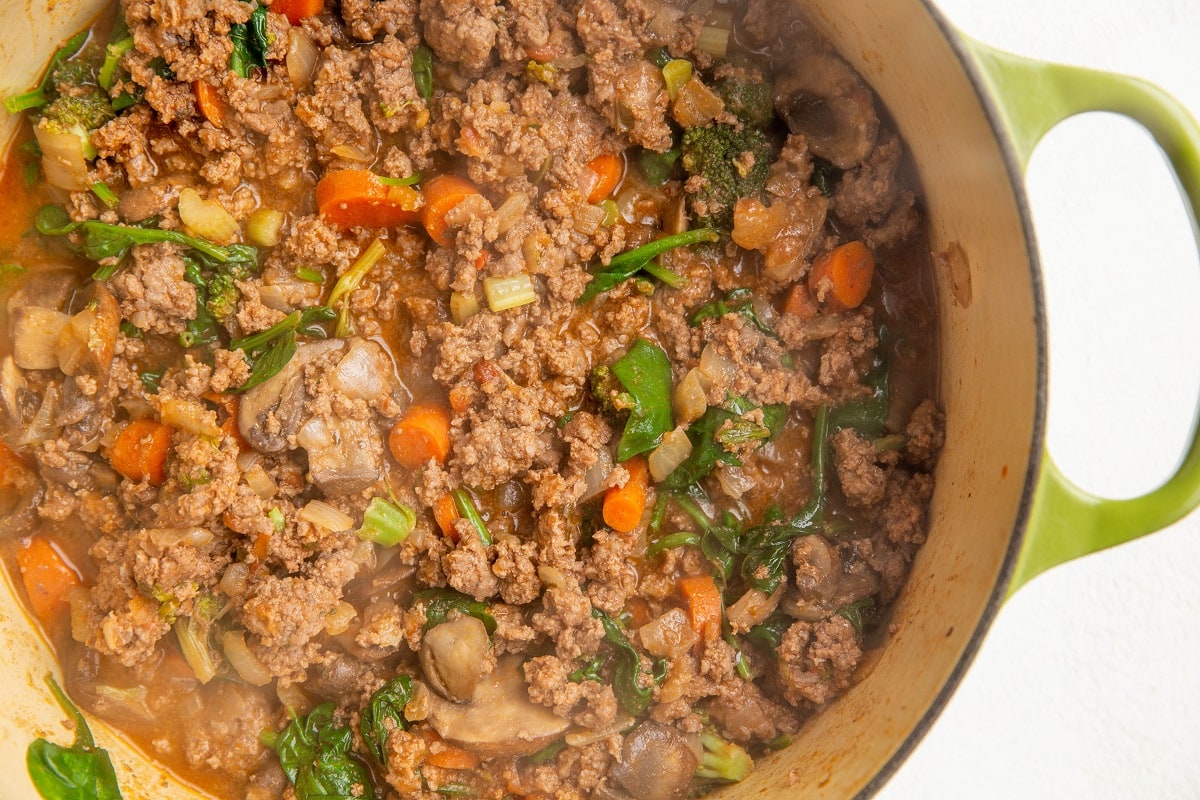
x=445, y=513
x=842, y=277
x=209, y=101
x=453, y=758
x=624, y=506
x=799, y=302
x=262, y=546
x=442, y=193
x=14, y=474
x=703, y=600
x=230, y=403
x=358, y=197
x=47, y=576
x=609, y=168
x=140, y=451
x=460, y=399
x=421, y=434
x=297, y=10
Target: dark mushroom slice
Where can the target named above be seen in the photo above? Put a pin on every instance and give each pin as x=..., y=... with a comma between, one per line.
x=823, y=98
x=499, y=720
x=656, y=763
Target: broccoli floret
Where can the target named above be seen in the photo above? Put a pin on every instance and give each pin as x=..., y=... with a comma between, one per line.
x=608, y=391
x=77, y=114
x=722, y=761
x=732, y=161
x=223, y=293
x=748, y=96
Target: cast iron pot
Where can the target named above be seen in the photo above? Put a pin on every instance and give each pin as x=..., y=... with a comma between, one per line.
x=1001, y=513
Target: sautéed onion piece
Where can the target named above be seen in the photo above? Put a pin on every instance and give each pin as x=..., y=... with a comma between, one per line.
x=565, y=423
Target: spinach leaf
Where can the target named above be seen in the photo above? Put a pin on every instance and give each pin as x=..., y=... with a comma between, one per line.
x=867, y=415
x=631, y=262
x=442, y=601
x=719, y=433
x=645, y=372
x=79, y=772
x=269, y=351
x=251, y=41
x=592, y=670
x=736, y=301
x=466, y=507
x=862, y=614
x=315, y=756
x=770, y=631
x=655, y=167
x=422, y=70
x=631, y=694
x=386, y=704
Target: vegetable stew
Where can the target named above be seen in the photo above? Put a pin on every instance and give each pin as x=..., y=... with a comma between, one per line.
x=480, y=400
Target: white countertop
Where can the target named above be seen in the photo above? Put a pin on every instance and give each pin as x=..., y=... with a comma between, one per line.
x=1087, y=686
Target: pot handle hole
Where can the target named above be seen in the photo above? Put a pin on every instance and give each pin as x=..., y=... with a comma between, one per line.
x=1032, y=97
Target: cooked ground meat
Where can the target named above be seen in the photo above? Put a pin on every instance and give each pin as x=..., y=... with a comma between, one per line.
x=482, y=322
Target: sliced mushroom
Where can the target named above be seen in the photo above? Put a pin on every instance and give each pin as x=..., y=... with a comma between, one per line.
x=273, y=411
x=87, y=343
x=499, y=720
x=818, y=567
x=453, y=656
x=656, y=763
x=35, y=334
x=344, y=455
x=824, y=99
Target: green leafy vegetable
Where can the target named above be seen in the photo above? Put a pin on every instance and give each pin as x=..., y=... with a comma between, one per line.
x=861, y=613
x=251, y=41
x=350, y=280
x=466, y=507
x=547, y=753
x=269, y=351
x=825, y=176
x=656, y=168
x=627, y=673
x=387, y=704
x=422, y=70
x=737, y=301
x=79, y=772
x=645, y=373
x=867, y=415
x=631, y=262
x=770, y=631
x=592, y=670
x=386, y=524
x=150, y=380
x=719, y=433
x=671, y=541
x=105, y=194
x=315, y=755
x=439, y=602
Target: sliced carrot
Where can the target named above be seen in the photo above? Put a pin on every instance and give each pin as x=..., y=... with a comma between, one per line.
x=442, y=193
x=47, y=576
x=262, y=546
x=421, y=434
x=609, y=168
x=140, y=451
x=624, y=506
x=842, y=277
x=453, y=758
x=445, y=513
x=703, y=600
x=358, y=197
x=297, y=10
x=209, y=101
x=799, y=302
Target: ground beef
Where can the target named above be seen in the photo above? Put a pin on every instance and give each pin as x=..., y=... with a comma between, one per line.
x=367, y=18
x=284, y=615
x=461, y=31
x=226, y=736
x=817, y=660
x=862, y=479
x=153, y=294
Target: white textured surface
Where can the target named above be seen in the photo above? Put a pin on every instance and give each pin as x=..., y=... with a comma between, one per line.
x=1086, y=685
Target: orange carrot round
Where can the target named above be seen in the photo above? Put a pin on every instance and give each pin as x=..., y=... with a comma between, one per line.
x=842, y=277
x=209, y=101
x=609, y=168
x=799, y=302
x=703, y=601
x=453, y=758
x=140, y=451
x=442, y=193
x=421, y=434
x=358, y=197
x=624, y=506
x=297, y=10
x=47, y=576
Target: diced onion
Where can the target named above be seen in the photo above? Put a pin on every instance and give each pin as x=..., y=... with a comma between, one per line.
x=463, y=307
x=716, y=367
x=588, y=218
x=510, y=211
x=301, y=59
x=170, y=537
x=235, y=580
x=339, y=619
x=597, y=474
x=509, y=292
x=247, y=665
x=752, y=608
x=64, y=159
x=668, y=635
x=325, y=516
x=260, y=482
x=696, y=105
x=206, y=218
x=264, y=226
x=582, y=738
x=352, y=153
x=690, y=400
x=734, y=481
x=189, y=416
x=193, y=644
x=670, y=453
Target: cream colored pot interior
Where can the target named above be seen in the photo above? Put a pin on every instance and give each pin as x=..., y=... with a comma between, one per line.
x=989, y=388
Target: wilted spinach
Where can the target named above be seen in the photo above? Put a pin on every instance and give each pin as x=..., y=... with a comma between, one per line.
x=442, y=601
x=251, y=41
x=718, y=434
x=631, y=262
x=79, y=772
x=386, y=704
x=315, y=755
x=627, y=672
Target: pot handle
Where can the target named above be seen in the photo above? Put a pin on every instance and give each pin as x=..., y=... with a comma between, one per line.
x=1032, y=97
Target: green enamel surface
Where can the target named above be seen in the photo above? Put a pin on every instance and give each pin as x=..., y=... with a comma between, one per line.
x=1032, y=97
